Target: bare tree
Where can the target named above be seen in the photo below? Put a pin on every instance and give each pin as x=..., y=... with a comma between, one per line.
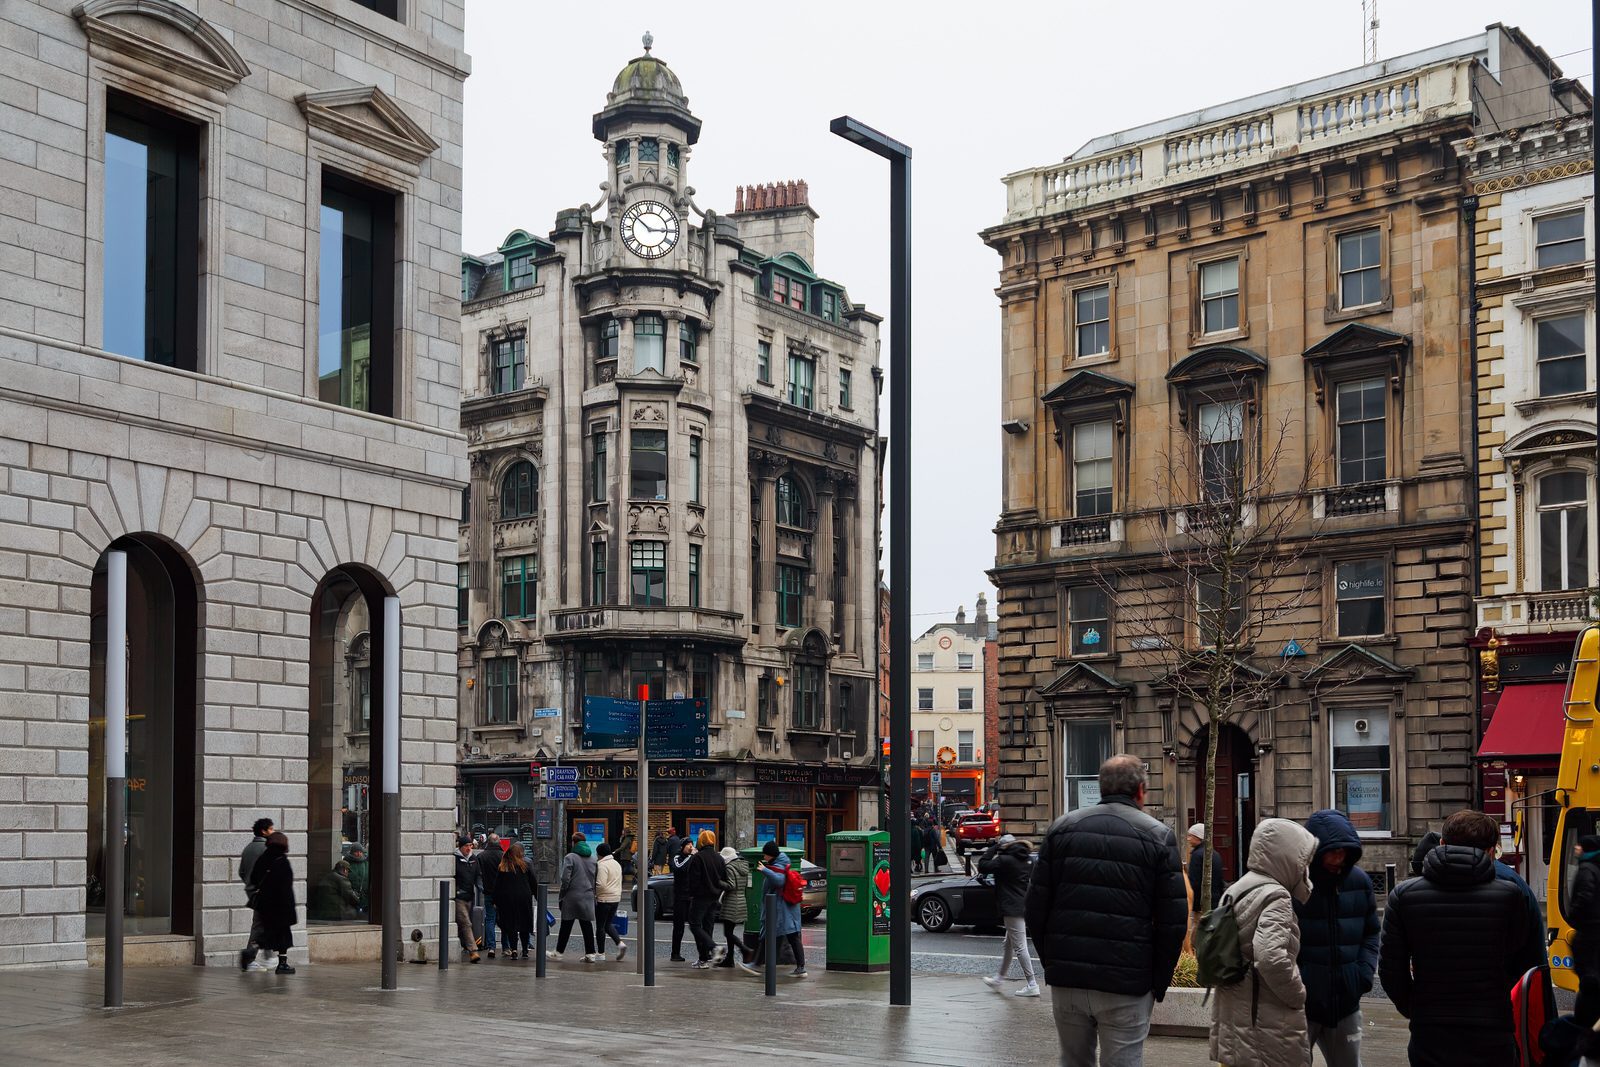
x=1222, y=567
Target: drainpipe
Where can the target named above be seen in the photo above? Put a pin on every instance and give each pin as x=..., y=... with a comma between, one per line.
x=1469, y=208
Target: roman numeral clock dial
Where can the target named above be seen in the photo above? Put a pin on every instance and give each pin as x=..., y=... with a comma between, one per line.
x=649, y=229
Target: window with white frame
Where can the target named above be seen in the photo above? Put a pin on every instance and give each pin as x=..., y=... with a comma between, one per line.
x=1360, y=270
x=964, y=698
x=1219, y=296
x=1563, y=507
x=1360, y=589
x=1221, y=448
x=964, y=745
x=1559, y=350
x=1091, y=469
x=1085, y=744
x=924, y=661
x=1362, y=441
x=1558, y=239
x=1360, y=767
x=1091, y=316
x=924, y=699
x=924, y=746
x=963, y=661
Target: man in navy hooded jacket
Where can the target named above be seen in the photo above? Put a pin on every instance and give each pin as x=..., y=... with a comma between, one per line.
x=1338, y=940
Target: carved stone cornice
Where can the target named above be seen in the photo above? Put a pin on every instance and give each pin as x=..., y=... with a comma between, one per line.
x=207, y=58
x=367, y=116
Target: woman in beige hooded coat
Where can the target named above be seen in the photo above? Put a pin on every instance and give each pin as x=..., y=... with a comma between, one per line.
x=1261, y=1021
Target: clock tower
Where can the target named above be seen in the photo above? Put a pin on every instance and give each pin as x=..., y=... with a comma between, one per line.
x=648, y=133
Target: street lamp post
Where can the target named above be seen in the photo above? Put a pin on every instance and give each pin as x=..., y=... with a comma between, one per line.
x=899, y=157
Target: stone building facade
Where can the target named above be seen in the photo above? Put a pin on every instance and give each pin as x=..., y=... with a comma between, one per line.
x=949, y=710
x=672, y=422
x=1533, y=276
x=1287, y=274
x=228, y=351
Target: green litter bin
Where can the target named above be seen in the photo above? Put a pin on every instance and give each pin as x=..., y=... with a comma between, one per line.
x=752, y=892
x=858, y=900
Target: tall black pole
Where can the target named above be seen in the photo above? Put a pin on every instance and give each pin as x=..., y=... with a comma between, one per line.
x=899, y=157
x=116, y=768
x=391, y=791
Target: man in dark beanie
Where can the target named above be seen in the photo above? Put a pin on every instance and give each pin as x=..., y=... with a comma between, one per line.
x=1583, y=908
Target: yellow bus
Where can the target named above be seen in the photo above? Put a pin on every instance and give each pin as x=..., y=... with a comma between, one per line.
x=1578, y=795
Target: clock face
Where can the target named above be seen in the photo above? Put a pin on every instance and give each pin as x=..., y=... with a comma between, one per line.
x=649, y=229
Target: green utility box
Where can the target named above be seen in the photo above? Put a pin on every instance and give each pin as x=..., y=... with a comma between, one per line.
x=758, y=882
x=858, y=900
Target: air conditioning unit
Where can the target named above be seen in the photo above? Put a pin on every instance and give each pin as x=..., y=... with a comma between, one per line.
x=1363, y=726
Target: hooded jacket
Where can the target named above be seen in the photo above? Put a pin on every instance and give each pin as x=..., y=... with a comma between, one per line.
x=1106, y=907
x=468, y=876
x=273, y=879
x=489, y=867
x=1011, y=871
x=1261, y=1021
x=1338, y=925
x=706, y=875
x=735, y=908
x=577, y=883
x=1452, y=945
x=608, y=880
x=788, y=920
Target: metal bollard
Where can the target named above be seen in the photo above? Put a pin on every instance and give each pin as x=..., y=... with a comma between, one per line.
x=1388, y=878
x=769, y=937
x=541, y=931
x=647, y=935
x=444, y=926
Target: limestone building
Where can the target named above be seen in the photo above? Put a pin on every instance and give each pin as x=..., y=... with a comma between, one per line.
x=228, y=354
x=672, y=422
x=949, y=712
x=1532, y=191
x=1282, y=276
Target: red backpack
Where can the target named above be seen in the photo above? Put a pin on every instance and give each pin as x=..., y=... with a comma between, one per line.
x=794, y=886
x=1533, y=1004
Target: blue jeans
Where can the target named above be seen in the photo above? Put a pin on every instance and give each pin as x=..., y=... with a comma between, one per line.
x=488, y=929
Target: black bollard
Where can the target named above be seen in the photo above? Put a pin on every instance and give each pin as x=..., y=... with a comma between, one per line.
x=647, y=935
x=769, y=937
x=1388, y=878
x=541, y=929
x=444, y=926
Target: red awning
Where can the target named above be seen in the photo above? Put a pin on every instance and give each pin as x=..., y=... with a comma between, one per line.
x=1527, y=722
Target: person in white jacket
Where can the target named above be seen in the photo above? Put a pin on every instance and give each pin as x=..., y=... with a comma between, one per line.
x=607, y=896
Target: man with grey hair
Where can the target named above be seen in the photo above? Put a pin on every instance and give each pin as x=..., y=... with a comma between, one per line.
x=1107, y=911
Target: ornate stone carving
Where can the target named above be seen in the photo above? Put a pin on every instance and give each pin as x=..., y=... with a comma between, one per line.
x=774, y=435
x=649, y=413
x=649, y=518
x=830, y=451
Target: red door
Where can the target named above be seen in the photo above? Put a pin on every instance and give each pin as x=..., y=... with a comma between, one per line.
x=1234, y=821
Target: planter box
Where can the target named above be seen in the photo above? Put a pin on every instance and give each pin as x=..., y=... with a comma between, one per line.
x=1181, y=1014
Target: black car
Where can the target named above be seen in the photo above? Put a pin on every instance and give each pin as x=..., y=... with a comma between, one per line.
x=958, y=901
x=812, y=905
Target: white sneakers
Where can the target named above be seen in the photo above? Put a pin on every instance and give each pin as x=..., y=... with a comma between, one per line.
x=552, y=954
x=994, y=981
x=597, y=957
x=1029, y=990
x=622, y=949
x=997, y=983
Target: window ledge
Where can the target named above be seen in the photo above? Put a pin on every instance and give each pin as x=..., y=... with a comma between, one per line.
x=1543, y=403
x=1383, y=307
x=498, y=728
x=1098, y=657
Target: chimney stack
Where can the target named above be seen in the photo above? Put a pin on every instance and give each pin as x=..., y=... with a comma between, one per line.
x=776, y=217
x=983, y=609
x=961, y=615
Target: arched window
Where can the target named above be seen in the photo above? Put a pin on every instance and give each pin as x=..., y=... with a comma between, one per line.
x=1563, y=505
x=519, y=492
x=650, y=343
x=793, y=508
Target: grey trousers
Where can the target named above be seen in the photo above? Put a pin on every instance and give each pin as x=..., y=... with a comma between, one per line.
x=1120, y=1023
x=1340, y=1045
x=1016, y=945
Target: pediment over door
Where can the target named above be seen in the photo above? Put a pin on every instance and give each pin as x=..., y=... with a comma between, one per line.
x=1080, y=681
x=1355, y=665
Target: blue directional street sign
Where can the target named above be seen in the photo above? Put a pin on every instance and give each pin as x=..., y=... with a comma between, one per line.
x=560, y=774
x=562, y=791
x=676, y=729
x=610, y=716
x=547, y=713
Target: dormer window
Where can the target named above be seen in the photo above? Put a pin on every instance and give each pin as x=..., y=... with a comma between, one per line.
x=520, y=273
x=649, y=150
x=789, y=291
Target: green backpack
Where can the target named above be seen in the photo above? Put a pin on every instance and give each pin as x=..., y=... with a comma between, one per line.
x=1218, y=959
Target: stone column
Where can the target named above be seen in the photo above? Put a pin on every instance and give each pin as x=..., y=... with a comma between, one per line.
x=740, y=830
x=822, y=554
x=767, y=466
x=850, y=639
x=480, y=529
x=624, y=317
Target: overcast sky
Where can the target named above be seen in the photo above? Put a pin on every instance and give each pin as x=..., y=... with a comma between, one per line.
x=976, y=96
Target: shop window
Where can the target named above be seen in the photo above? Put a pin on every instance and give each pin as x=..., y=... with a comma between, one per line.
x=1360, y=767
x=1085, y=745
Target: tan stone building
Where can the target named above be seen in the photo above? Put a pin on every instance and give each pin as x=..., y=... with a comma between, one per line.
x=1283, y=275
x=1531, y=190
x=672, y=422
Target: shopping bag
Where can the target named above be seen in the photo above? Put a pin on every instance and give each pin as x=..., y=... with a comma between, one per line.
x=619, y=923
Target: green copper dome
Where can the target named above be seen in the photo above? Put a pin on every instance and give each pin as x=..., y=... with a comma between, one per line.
x=646, y=91
x=647, y=75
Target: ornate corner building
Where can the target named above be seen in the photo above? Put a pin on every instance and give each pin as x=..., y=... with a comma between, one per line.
x=1288, y=272
x=1533, y=279
x=228, y=358
x=673, y=430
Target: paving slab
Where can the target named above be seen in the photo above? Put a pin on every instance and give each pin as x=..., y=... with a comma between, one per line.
x=498, y=1012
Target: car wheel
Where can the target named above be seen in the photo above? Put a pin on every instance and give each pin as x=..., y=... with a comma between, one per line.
x=934, y=914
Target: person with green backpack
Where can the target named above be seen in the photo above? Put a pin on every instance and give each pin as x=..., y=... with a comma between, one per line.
x=1247, y=949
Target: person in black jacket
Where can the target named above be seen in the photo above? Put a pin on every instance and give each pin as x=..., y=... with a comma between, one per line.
x=1583, y=908
x=1196, y=839
x=682, y=894
x=707, y=875
x=1429, y=842
x=489, y=858
x=515, y=887
x=1107, y=912
x=1338, y=940
x=468, y=878
x=1006, y=862
x=272, y=879
x=1452, y=947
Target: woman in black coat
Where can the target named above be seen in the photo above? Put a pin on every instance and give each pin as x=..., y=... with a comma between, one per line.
x=514, y=892
x=274, y=903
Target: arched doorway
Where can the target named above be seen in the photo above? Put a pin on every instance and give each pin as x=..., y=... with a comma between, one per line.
x=1235, y=818
x=158, y=838
x=344, y=777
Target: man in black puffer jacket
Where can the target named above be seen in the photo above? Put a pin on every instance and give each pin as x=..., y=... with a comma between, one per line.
x=1338, y=940
x=1451, y=950
x=1107, y=911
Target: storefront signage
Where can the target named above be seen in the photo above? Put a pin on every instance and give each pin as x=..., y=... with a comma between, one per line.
x=559, y=774
x=836, y=776
x=880, y=888
x=504, y=791
x=1535, y=666
x=543, y=820
x=787, y=775
x=562, y=791
x=616, y=771
x=580, y=620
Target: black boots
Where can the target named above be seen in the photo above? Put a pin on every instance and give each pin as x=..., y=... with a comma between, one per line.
x=283, y=965
x=246, y=958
